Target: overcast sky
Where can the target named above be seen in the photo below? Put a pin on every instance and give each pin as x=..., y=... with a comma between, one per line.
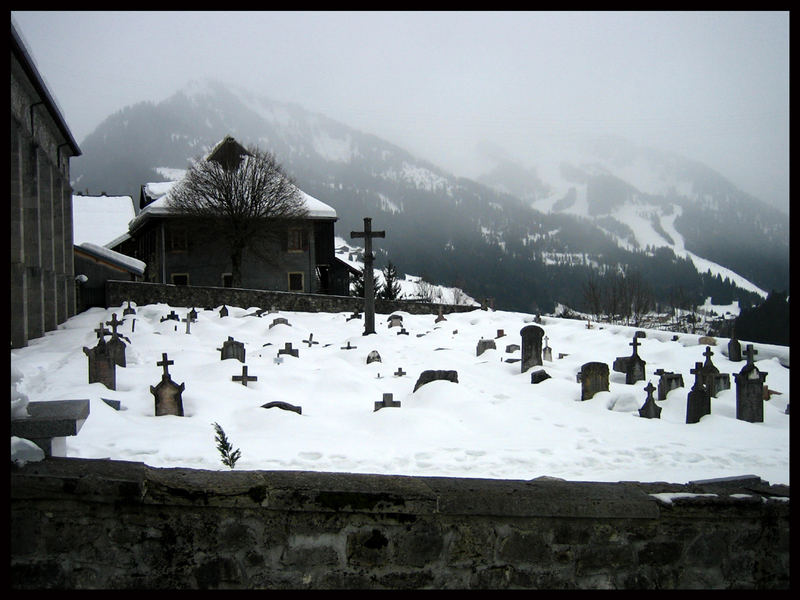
x=711, y=86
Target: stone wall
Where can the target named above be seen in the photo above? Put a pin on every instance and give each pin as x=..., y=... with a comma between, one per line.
x=141, y=293
x=80, y=523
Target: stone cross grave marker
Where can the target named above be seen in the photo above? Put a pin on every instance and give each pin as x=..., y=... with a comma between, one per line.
x=310, y=341
x=244, y=377
x=531, y=346
x=714, y=381
x=167, y=394
x=400, y=372
x=547, y=351
x=698, y=403
x=188, y=320
x=402, y=331
x=348, y=347
x=232, y=349
x=750, y=390
x=593, y=378
x=287, y=349
x=667, y=382
x=116, y=346
x=633, y=366
x=193, y=314
x=650, y=410
x=101, y=331
x=102, y=367
x=369, y=275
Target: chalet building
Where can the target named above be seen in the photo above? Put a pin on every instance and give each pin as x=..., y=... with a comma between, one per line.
x=303, y=260
x=42, y=279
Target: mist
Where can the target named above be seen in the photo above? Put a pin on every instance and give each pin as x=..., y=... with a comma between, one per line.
x=710, y=86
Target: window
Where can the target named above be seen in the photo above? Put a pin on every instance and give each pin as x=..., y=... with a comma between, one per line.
x=295, y=282
x=177, y=238
x=227, y=280
x=297, y=240
x=180, y=278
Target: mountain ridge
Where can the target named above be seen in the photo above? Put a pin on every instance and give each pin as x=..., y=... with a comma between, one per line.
x=497, y=241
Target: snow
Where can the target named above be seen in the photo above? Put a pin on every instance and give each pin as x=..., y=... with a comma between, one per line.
x=100, y=219
x=133, y=264
x=493, y=423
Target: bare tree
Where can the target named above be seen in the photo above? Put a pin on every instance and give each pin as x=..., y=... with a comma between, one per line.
x=242, y=198
x=592, y=294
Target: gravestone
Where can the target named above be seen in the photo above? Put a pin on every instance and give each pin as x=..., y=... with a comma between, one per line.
x=547, y=351
x=348, y=347
x=734, y=350
x=102, y=367
x=369, y=274
x=650, y=410
x=116, y=347
x=484, y=345
x=402, y=331
x=279, y=321
x=232, y=349
x=287, y=349
x=373, y=356
x=167, y=394
x=310, y=341
x=128, y=310
x=500, y=333
x=431, y=375
x=511, y=348
x=193, y=314
x=284, y=406
x=172, y=316
x=706, y=340
x=750, y=390
x=387, y=402
x=593, y=378
x=441, y=316
x=101, y=331
x=395, y=321
x=667, y=382
x=223, y=312
x=244, y=377
x=633, y=366
x=531, y=346
x=115, y=404
x=188, y=320
x=698, y=402
x=400, y=372
x=355, y=315
x=712, y=378
x=539, y=375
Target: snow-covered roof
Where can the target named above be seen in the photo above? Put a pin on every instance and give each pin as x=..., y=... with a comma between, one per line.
x=100, y=219
x=132, y=264
x=160, y=190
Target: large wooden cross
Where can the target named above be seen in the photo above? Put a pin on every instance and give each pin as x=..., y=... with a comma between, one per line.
x=369, y=282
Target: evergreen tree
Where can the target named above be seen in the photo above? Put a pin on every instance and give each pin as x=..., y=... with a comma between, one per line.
x=228, y=458
x=391, y=286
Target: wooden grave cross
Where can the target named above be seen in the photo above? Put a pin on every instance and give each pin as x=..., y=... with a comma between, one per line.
x=369, y=283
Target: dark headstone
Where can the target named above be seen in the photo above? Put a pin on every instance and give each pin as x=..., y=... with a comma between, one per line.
x=167, y=394
x=373, y=356
x=440, y=317
x=750, y=390
x=386, y=402
x=172, y=316
x=402, y=331
x=128, y=310
x=593, y=378
x=698, y=402
x=223, y=312
x=734, y=350
x=395, y=321
x=287, y=349
x=650, y=410
x=431, y=375
x=284, y=406
x=279, y=321
x=102, y=367
x=531, y=346
x=667, y=382
x=400, y=372
x=348, y=347
x=539, y=375
x=633, y=366
x=232, y=349
x=355, y=315
x=115, y=404
x=512, y=348
x=484, y=345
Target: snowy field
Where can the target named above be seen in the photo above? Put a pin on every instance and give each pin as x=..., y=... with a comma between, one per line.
x=493, y=423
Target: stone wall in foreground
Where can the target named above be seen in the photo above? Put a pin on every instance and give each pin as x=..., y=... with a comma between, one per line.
x=80, y=523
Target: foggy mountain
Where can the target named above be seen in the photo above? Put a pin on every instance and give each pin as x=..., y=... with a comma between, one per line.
x=527, y=236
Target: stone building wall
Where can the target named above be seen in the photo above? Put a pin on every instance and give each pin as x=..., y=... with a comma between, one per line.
x=80, y=523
